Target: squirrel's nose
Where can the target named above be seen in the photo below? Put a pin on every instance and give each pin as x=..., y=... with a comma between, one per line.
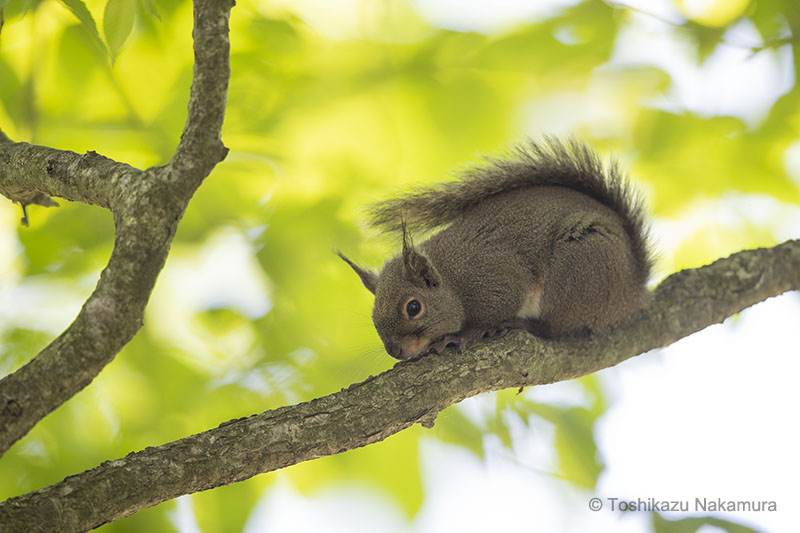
x=395, y=350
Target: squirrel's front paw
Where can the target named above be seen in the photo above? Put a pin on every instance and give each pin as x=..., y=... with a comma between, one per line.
x=448, y=341
x=493, y=333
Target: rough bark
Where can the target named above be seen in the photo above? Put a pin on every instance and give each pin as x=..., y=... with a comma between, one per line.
x=411, y=392
x=147, y=206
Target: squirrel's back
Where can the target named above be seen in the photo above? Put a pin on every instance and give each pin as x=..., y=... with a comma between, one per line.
x=550, y=162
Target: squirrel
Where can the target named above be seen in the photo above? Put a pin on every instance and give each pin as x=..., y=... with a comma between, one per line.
x=548, y=239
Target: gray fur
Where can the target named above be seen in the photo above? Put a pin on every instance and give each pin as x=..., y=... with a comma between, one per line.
x=549, y=240
x=568, y=163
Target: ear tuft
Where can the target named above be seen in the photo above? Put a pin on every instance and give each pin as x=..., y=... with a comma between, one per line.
x=419, y=270
x=368, y=277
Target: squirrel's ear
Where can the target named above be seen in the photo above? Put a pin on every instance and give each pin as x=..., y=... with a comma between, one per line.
x=368, y=277
x=419, y=269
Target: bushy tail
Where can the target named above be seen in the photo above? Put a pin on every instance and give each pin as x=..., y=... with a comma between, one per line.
x=548, y=162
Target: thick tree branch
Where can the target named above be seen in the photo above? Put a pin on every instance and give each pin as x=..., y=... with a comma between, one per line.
x=201, y=146
x=147, y=207
x=411, y=392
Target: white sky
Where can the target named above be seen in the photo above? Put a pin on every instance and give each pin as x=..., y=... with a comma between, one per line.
x=483, y=16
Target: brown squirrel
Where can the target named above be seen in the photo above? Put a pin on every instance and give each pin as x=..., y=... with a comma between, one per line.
x=548, y=239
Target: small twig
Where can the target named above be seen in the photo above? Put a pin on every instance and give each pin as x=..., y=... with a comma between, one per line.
x=773, y=42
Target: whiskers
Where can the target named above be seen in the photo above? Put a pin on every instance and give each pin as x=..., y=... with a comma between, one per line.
x=368, y=359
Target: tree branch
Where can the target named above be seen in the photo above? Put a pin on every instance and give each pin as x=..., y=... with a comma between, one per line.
x=201, y=146
x=27, y=169
x=147, y=206
x=411, y=392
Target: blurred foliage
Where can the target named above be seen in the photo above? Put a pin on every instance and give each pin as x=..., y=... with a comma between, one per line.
x=328, y=111
x=691, y=525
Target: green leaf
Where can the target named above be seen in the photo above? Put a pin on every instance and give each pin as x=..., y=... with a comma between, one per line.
x=80, y=10
x=117, y=23
x=455, y=428
x=150, y=8
x=692, y=524
x=89, y=247
x=79, y=58
x=770, y=17
x=228, y=508
x=18, y=346
x=497, y=425
x=392, y=466
x=11, y=92
x=577, y=452
x=706, y=38
x=17, y=8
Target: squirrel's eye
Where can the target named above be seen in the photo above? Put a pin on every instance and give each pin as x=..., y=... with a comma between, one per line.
x=413, y=307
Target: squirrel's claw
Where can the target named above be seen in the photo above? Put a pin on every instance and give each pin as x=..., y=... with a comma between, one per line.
x=448, y=341
x=493, y=333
